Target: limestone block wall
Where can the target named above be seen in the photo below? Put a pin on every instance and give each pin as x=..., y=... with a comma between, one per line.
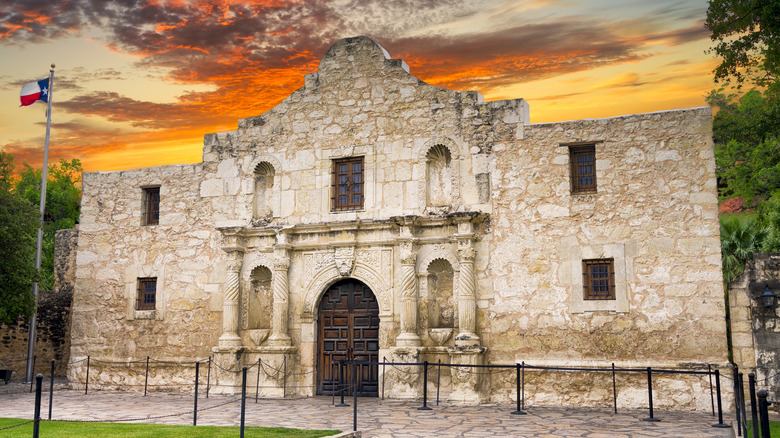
x=52, y=335
x=115, y=249
x=655, y=213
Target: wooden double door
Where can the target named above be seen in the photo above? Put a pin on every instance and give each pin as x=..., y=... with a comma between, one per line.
x=348, y=330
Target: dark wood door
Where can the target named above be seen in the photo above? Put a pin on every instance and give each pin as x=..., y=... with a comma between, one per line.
x=348, y=330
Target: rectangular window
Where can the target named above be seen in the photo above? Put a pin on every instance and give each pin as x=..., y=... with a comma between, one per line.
x=347, y=185
x=598, y=279
x=151, y=206
x=583, y=168
x=147, y=294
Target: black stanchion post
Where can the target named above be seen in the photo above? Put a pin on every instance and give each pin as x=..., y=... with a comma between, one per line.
x=425, y=407
x=354, y=396
x=517, y=411
x=614, y=387
x=284, y=383
x=257, y=384
x=37, y=417
x=341, y=386
x=146, y=378
x=720, y=406
x=742, y=402
x=650, y=394
x=33, y=367
x=735, y=372
x=86, y=382
x=763, y=413
x=51, y=387
x=195, y=408
x=208, y=378
x=753, y=405
x=522, y=383
x=243, y=399
x=438, y=382
x=712, y=395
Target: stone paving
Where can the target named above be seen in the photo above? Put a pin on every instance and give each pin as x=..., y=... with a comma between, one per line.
x=376, y=418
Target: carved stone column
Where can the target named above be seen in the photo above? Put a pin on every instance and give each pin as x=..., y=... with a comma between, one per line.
x=467, y=295
x=230, y=336
x=281, y=290
x=408, y=336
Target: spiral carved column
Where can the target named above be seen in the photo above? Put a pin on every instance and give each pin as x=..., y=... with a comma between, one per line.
x=230, y=336
x=281, y=291
x=408, y=336
x=467, y=295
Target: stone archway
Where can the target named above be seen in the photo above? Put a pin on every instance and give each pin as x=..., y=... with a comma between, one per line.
x=348, y=329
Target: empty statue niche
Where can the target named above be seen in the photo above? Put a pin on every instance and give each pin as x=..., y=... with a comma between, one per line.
x=260, y=299
x=264, y=184
x=439, y=163
x=441, y=305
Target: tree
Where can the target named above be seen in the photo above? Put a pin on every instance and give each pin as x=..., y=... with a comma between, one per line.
x=63, y=201
x=18, y=229
x=747, y=37
x=740, y=238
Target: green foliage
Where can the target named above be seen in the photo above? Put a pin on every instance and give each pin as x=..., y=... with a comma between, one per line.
x=18, y=230
x=740, y=238
x=66, y=429
x=771, y=219
x=63, y=201
x=746, y=34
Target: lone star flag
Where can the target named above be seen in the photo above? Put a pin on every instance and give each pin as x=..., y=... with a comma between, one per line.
x=33, y=91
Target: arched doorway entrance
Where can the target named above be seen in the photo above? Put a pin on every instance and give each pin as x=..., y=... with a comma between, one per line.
x=348, y=329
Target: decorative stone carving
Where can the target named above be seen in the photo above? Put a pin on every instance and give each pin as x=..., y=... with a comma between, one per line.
x=281, y=289
x=258, y=336
x=345, y=259
x=467, y=301
x=440, y=335
x=408, y=336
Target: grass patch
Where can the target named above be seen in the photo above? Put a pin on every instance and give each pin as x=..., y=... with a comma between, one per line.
x=774, y=429
x=67, y=429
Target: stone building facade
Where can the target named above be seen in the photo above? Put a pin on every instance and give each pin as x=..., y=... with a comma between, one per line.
x=755, y=329
x=373, y=216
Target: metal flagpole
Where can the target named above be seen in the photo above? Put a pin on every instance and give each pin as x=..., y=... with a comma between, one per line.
x=34, y=320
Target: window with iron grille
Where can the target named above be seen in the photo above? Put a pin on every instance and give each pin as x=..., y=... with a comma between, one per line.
x=583, y=168
x=147, y=294
x=151, y=206
x=598, y=279
x=347, y=185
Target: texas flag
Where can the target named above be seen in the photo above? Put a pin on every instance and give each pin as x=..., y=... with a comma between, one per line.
x=33, y=91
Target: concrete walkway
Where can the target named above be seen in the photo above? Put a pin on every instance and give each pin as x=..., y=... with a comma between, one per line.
x=376, y=418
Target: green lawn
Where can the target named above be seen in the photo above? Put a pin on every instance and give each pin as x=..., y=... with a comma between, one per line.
x=66, y=429
x=774, y=429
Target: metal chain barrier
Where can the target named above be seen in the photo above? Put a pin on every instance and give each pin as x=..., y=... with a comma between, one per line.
x=17, y=425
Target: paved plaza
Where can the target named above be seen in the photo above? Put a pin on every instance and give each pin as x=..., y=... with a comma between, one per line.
x=376, y=418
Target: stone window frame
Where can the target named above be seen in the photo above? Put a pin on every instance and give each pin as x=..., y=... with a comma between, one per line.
x=145, y=300
x=623, y=269
x=150, y=205
x=576, y=148
x=336, y=206
x=132, y=274
x=325, y=179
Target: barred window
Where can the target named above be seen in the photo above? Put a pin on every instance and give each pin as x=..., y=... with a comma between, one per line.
x=583, y=168
x=147, y=294
x=150, y=214
x=347, y=185
x=598, y=279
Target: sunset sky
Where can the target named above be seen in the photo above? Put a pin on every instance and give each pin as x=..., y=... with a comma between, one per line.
x=138, y=83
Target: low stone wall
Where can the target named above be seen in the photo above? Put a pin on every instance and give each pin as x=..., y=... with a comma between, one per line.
x=755, y=330
x=52, y=340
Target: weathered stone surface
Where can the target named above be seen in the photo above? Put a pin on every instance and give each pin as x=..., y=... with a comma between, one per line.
x=468, y=222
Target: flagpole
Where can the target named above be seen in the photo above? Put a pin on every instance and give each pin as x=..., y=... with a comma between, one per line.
x=34, y=320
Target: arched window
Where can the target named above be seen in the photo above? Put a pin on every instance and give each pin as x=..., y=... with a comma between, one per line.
x=439, y=175
x=264, y=183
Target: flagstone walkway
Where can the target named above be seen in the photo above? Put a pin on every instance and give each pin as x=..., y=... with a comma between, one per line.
x=376, y=418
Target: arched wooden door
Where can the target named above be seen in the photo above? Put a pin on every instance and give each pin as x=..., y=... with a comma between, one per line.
x=348, y=329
